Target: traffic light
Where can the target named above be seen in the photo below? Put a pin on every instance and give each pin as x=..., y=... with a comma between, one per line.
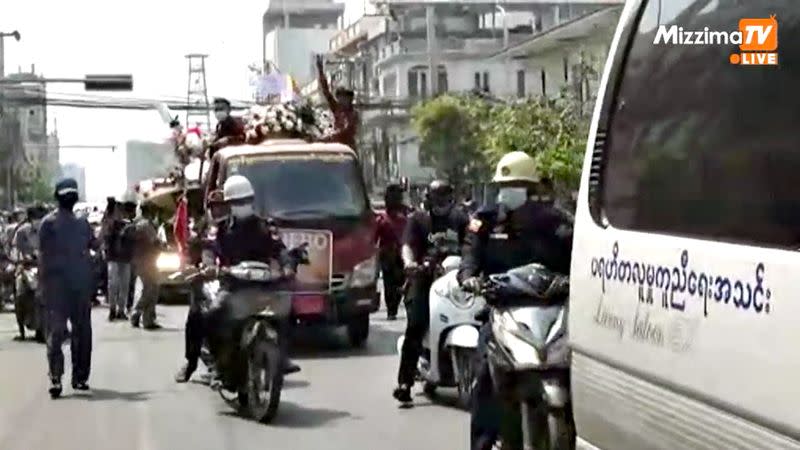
x=108, y=83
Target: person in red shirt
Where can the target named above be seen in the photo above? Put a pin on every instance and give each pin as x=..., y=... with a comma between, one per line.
x=389, y=232
x=345, y=116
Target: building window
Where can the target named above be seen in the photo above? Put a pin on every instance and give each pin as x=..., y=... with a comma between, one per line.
x=711, y=152
x=486, y=82
x=413, y=86
x=566, y=69
x=442, y=80
x=544, y=83
x=423, y=84
x=477, y=80
x=520, y=83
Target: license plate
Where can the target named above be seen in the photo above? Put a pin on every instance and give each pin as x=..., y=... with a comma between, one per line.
x=304, y=304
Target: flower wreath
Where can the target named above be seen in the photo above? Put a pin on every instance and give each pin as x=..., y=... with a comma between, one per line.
x=293, y=120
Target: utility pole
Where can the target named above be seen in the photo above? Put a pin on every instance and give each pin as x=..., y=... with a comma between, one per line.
x=433, y=50
x=9, y=124
x=197, y=93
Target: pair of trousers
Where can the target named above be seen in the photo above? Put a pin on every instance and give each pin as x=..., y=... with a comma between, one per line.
x=74, y=306
x=393, y=278
x=146, y=300
x=417, y=323
x=119, y=282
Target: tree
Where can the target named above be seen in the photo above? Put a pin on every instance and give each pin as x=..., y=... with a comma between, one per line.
x=449, y=131
x=38, y=189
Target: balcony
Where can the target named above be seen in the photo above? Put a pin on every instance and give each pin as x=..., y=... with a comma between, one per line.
x=347, y=40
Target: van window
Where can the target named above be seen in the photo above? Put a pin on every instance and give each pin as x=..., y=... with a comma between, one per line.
x=698, y=146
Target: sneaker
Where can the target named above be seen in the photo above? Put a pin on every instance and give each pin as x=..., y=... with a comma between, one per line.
x=55, y=388
x=112, y=315
x=391, y=317
x=153, y=326
x=135, y=318
x=185, y=373
x=290, y=368
x=122, y=316
x=80, y=386
x=402, y=394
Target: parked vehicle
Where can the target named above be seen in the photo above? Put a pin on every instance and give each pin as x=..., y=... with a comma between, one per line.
x=315, y=193
x=528, y=354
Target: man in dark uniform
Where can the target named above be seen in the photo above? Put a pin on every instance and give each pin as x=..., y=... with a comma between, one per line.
x=523, y=228
x=66, y=278
x=440, y=218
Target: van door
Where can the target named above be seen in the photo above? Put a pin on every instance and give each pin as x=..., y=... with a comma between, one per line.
x=683, y=314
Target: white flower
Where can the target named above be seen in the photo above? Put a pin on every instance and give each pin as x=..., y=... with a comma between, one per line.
x=288, y=125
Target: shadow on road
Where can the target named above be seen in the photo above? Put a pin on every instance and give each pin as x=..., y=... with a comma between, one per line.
x=295, y=384
x=292, y=415
x=100, y=395
x=317, y=343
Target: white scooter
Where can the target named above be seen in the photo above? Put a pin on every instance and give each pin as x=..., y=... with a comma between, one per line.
x=450, y=347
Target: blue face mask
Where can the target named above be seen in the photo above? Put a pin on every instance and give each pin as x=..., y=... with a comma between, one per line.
x=512, y=197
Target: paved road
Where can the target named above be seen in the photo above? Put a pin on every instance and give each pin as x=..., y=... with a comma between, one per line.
x=341, y=399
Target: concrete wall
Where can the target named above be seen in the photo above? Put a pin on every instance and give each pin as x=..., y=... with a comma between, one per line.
x=291, y=50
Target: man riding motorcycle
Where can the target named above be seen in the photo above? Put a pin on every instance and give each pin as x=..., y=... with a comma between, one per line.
x=26, y=245
x=244, y=237
x=439, y=216
x=524, y=227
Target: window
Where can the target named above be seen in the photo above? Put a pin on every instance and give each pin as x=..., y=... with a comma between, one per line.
x=442, y=81
x=413, y=87
x=477, y=80
x=544, y=83
x=697, y=146
x=520, y=83
x=566, y=69
x=486, y=81
x=423, y=84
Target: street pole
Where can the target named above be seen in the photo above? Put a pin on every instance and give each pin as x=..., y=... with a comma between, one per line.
x=9, y=152
x=433, y=56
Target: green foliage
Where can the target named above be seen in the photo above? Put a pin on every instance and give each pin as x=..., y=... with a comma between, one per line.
x=463, y=137
x=39, y=189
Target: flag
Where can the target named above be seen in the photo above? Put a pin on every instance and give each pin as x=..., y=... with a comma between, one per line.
x=180, y=225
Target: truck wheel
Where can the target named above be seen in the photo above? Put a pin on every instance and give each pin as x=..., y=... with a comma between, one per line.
x=358, y=330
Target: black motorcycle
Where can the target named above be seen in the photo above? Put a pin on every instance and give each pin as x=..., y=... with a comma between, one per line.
x=28, y=303
x=529, y=356
x=245, y=337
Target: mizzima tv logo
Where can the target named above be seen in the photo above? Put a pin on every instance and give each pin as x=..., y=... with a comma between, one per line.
x=757, y=40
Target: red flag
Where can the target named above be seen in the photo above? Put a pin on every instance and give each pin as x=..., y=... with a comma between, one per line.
x=180, y=227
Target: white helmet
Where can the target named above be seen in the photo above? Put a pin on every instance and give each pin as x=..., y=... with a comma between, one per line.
x=237, y=187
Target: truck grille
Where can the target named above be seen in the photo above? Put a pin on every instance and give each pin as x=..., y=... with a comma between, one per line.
x=338, y=281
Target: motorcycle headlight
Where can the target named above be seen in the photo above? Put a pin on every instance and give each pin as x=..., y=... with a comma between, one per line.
x=364, y=273
x=168, y=262
x=506, y=330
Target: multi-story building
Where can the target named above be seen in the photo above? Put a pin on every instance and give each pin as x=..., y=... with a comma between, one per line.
x=294, y=30
x=386, y=55
x=78, y=173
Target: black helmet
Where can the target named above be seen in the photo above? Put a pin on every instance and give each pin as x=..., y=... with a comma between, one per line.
x=440, y=196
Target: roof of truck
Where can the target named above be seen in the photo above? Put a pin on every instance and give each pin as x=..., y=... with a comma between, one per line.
x=284, y=146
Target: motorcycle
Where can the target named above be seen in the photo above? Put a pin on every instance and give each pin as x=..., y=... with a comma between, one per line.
x=528, y=354
x=246, y=344
x=28, y=306
x=451, y=344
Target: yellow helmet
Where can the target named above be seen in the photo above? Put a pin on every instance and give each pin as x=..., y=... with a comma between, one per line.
x=516, y=166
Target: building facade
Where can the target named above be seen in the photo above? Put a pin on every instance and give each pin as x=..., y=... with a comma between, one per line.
x=294, y=31
x=509, y=49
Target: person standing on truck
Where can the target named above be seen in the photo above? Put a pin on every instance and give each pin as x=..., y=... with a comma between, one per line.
x=345, y=116
x=229, y=131
x=389, y=234
x=440, y=216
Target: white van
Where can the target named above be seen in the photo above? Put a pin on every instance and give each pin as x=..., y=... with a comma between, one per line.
x=684, y=323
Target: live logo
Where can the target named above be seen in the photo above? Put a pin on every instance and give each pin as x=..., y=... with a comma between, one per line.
x=759, y=59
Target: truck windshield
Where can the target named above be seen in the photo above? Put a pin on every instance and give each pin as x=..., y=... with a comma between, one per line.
x=296, y=187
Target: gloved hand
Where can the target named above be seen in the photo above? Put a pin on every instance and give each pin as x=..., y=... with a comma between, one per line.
x=472, y=284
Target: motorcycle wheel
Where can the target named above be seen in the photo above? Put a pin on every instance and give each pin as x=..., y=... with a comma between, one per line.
x=262, y=393
x=560, y=435
x=464, y=374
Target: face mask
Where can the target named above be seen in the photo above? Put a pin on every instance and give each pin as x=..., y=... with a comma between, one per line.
x=242, y=211
x=512, y=198
x=221, y=115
